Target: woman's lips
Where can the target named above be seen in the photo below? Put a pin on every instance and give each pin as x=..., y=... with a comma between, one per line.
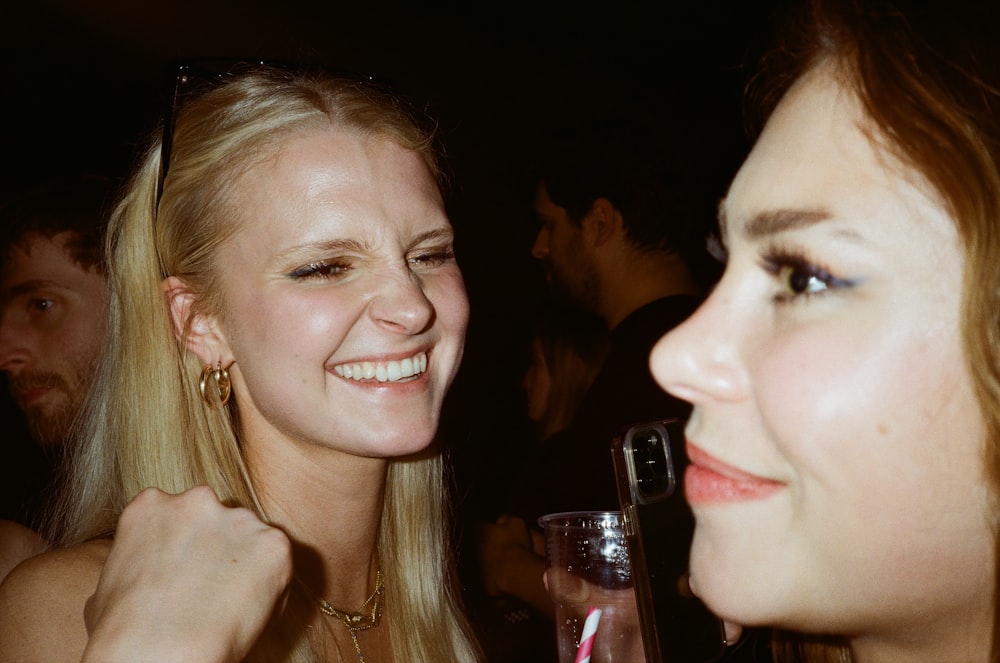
x=709, y=480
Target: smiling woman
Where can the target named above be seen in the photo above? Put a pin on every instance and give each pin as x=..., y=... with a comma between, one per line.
x=844, y=437
x=286, y=318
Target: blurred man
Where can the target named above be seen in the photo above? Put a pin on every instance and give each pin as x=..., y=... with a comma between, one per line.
x=52, y=319
x=620, y=237
x=52, y=301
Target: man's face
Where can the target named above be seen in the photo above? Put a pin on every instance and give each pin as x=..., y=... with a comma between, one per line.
x=52, y=320
x=560, y=244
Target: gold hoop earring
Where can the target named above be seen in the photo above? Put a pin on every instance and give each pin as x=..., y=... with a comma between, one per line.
x=222, y=387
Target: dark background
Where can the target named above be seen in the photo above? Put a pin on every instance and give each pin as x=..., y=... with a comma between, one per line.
x=82, y=83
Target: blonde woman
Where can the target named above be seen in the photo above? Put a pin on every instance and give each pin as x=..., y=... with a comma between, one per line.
x=257, y=477
x=566, y=350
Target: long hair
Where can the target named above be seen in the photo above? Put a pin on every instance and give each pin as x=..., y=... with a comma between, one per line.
x=146, y=424
x=928, y=78
x=574, y=344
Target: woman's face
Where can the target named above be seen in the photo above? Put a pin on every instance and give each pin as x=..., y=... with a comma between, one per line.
x=345, y=311
x=837, y=446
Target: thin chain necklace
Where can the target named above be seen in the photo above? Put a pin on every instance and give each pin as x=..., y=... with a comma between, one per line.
x=363, y=619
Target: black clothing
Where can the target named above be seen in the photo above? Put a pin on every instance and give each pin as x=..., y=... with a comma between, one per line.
x=574, y=470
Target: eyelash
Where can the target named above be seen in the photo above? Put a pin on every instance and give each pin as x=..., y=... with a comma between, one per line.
x=433, y=258
x=321, y=269
x=788, y=266
x=717, y=249
x=332, y=269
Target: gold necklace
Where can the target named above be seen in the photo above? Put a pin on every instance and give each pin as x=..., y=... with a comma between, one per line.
x=363, y=619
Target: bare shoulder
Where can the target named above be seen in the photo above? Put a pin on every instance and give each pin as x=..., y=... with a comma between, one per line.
x=42, y=603
x=17, y=543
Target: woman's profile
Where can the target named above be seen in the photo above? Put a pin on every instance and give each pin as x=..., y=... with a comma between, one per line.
x=846, y=424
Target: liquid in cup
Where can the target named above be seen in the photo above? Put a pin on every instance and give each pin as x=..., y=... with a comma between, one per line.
x=588, y=567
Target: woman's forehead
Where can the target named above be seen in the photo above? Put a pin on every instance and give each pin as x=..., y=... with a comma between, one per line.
x=820, y=163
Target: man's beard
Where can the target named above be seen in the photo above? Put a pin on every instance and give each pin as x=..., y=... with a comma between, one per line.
x=579, y=289
x=51, y=427
x=51, y=423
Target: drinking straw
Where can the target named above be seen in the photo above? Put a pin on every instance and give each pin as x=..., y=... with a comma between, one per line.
x=587, y=637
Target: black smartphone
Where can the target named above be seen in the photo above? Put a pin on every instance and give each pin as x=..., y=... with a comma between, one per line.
x=649, y=461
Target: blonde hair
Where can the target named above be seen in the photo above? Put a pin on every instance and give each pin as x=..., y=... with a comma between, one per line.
x=146, y=424
x=574, y=345
x=928, y=80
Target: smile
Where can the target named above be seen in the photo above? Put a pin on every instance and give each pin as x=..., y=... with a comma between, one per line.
x=388, y=371
x=709, y=480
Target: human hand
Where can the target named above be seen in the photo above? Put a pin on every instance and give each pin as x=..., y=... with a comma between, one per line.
x=187, y=579
x=511, y=563
x=503, y=545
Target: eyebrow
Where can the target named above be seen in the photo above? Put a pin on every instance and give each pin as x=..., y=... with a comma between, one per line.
x=772, y=222
x=31, y=285
x=23, y=288
x=325, y=245
x=443, y=233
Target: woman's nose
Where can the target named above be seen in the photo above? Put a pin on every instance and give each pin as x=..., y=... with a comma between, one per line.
x=401, y=305
x=700, y=359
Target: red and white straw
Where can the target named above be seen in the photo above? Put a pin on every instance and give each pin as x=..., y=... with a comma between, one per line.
x=587, y=637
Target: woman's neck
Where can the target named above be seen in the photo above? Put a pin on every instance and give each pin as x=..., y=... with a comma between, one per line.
x=966, y=641
x=330, y=505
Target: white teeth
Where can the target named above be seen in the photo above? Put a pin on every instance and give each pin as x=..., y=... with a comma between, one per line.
x=389, y=371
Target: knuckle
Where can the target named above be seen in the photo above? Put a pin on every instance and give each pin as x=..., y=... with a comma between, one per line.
x=139, y=505
x=277, y=548
x=148, y=495
x=277, y=542
x=200, y=494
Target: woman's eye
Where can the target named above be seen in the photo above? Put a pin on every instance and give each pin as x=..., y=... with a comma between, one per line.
x=717, y=249
x=799, y=282
x=797, y=277
x=432, y=258
x=321, y=269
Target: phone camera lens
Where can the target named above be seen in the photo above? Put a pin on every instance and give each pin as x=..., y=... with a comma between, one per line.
x=652, y=467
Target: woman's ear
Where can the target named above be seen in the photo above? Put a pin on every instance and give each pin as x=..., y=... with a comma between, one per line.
x=200, y=333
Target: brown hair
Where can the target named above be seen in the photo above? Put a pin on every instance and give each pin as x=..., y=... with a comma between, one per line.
x=75, y=205
x=927, y=76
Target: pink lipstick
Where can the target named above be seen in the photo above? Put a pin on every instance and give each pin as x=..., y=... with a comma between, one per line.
x=708, y=480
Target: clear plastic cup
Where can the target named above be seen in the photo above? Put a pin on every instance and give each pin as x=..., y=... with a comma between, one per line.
x=588, y=568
